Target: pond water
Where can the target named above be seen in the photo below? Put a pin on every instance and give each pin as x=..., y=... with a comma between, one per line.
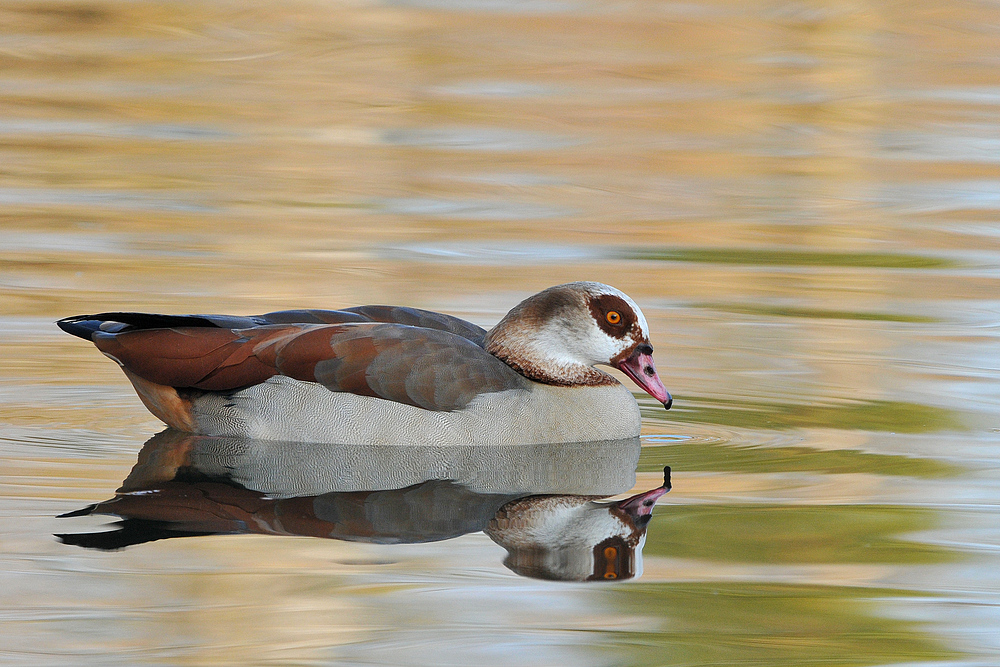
x=803, y=197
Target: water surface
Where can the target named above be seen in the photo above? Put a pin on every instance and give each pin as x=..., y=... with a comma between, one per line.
x=803, y=197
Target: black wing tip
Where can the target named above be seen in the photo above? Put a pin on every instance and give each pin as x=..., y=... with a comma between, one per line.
x=88, y=541
x=127, y=533
x=85, y=511
x=82, y=326
x=85, y=326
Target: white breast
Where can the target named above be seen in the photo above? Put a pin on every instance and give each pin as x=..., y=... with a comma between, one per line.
x=286, y=409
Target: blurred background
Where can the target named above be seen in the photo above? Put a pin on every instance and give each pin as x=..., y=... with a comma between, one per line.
x=803, y=197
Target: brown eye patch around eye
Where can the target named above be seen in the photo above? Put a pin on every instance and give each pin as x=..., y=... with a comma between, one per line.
x=602, y=305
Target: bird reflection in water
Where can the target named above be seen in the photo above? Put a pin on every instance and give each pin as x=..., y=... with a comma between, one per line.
x=539, y=502
x=575, y=537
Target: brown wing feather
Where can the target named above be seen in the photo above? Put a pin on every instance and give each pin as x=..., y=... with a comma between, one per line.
x=428, y=368
x=182, y=357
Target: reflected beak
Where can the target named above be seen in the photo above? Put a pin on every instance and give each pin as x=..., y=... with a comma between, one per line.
x=642, y=505
x=641, y=369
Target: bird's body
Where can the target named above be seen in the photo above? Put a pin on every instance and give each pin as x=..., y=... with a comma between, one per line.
x=306, y=411
x=379, y=374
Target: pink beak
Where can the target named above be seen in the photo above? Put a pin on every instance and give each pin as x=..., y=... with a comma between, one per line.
x=641, y=369
x=642, y=505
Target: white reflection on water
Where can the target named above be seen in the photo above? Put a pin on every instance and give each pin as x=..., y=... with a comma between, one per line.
x=493, y=253
x=116, y=130
x=471, y=210
x=985, y=95
x=113, y=199
x=492, y=139
x=940, y=196
x=955, y=144
x=501, y=6
x=495, y=89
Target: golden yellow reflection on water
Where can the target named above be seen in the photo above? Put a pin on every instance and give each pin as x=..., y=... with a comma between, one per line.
x=802, y=196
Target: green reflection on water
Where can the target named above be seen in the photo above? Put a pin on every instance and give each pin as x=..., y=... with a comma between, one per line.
x=733, y=458
x=893, y=416
x=814, y=313
x=766, y=624
x=794, y=534
x=763, y=256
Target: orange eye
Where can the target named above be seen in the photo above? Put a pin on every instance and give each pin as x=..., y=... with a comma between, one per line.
x=613, y=317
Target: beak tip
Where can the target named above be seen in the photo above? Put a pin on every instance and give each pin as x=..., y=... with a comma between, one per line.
x=641, y=370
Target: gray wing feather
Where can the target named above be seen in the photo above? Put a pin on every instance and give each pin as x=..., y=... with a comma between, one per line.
x=428, y=368
x=413, y=317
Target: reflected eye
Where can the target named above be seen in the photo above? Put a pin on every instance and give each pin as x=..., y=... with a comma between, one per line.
x=613, y=317
x=610, y=553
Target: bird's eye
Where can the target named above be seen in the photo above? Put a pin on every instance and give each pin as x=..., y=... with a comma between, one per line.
x=613, y=317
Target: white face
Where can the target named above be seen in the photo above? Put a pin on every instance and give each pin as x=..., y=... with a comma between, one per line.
x=560, y=334
x=588, y=337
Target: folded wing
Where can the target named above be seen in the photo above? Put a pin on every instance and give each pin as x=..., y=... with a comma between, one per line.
x=431, y=368
x=85, y=326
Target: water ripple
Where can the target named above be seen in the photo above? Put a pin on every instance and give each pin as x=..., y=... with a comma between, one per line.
x=494, y=253
x=477, y=139
x=506, y=89
x=930, y=197
x=470, y=209
x=109, y=199
x=961, y=146
x=157, y=131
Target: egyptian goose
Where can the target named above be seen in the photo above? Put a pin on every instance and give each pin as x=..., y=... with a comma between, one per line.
x=392, y=375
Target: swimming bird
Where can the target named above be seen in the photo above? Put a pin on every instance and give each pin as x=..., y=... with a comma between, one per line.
x=390, y=374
